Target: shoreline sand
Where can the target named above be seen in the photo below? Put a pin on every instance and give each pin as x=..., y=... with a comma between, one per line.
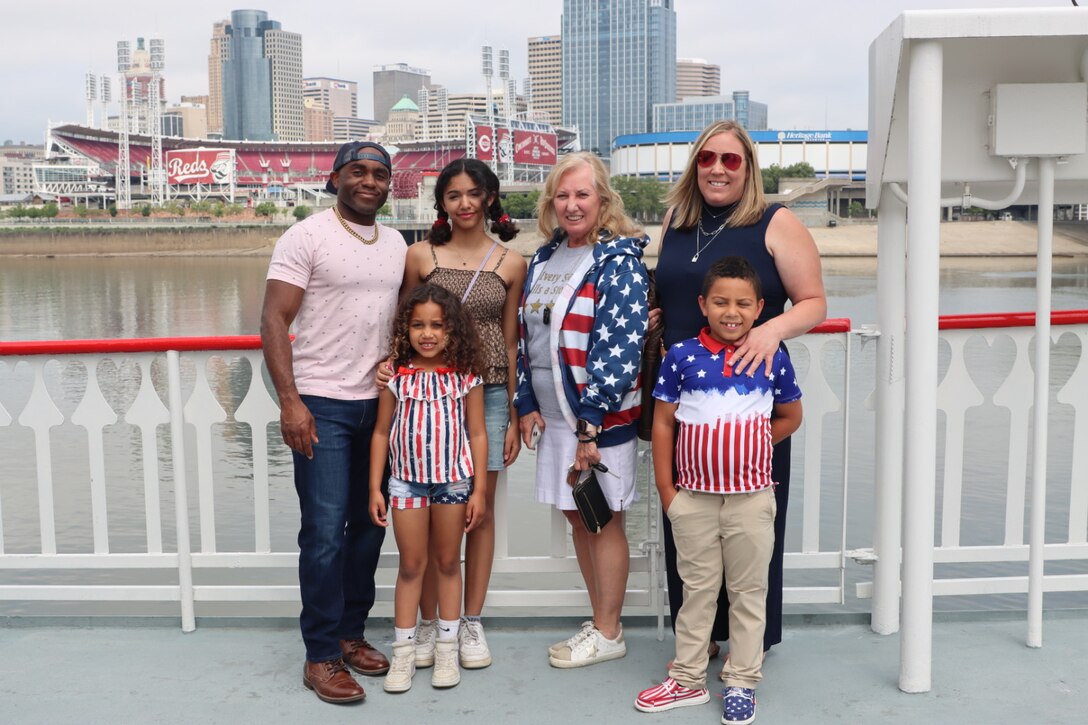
x=958, y=239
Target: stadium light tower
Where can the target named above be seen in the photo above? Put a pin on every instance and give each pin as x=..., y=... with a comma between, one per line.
x=123, y=183
x=509, y=94
x=488, y=67
x=90, y=87
x=154, y=120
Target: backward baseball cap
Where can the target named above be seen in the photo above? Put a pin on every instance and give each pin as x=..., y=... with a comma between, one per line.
x=356, y=151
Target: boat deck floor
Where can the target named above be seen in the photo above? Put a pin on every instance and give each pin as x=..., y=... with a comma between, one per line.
x=825, y=671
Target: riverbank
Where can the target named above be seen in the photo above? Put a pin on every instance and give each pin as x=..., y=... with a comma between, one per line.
x=958, y=239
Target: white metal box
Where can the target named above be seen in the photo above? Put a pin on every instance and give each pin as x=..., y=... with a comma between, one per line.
x=1039, y=119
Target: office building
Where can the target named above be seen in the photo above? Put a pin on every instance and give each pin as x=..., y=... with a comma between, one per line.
x=345, y=128
x=316, y=120
x=435, y=125
x=696, y=77
x=339, y=96
x=696, y=113
x=186, y=119
x=17, y=168
x=403, y=117
x=262, y=80
x=619, y=59
x=393, y=82
x=546, y=78
x=218, y=54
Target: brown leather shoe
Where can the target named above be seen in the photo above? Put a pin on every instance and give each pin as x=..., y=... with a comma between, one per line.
x=332, y=682
x=364, y=659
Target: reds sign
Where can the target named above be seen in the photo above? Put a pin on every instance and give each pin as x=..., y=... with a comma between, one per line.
x=531, y=147
x=200, y=166
x=527, y=147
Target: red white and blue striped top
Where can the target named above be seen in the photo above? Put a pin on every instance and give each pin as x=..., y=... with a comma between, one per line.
x=723, y=420
x=428, y=440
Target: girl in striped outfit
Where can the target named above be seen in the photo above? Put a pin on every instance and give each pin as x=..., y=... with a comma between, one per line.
x=431, y=429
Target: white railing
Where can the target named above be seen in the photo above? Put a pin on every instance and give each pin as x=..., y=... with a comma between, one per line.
x=120, y=425
x=101, y=432
x=985, y=398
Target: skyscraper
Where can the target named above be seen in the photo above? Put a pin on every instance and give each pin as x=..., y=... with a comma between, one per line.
x=696, y=77
x=340, y=97
x=619, y=58
x=262, y=80
x=395, y=81
x=219, y=52
x=546, y=76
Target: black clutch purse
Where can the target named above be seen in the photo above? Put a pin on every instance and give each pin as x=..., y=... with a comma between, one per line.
x=592, y=505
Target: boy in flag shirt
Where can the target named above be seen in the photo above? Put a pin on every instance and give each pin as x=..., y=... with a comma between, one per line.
x=713, y=431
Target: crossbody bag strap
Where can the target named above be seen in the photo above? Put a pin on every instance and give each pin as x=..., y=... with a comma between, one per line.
x=478, y=270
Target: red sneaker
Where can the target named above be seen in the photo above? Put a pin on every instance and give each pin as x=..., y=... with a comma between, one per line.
x=670, y=694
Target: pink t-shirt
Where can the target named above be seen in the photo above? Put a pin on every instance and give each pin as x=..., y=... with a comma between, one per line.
x=343, y=324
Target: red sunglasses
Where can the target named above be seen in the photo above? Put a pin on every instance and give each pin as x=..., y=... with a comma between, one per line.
x=730, y=160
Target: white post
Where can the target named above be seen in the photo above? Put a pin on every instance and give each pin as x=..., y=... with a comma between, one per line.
x=888, y=499
x=922, y=286
x=181, y=495
x=1042, y=402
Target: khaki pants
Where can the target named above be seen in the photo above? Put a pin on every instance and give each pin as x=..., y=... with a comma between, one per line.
x=716, y=535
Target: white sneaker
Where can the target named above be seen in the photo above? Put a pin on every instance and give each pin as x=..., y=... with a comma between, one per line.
x=569, y=642
x=445, y=672
x=425, y=636
x=402, y=667
x=590, y=650
x=472, y=645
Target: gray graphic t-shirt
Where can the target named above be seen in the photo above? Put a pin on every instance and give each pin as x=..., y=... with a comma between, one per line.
x=539, y=314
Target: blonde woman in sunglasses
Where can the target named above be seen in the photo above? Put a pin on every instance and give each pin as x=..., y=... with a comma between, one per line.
x=717, y=209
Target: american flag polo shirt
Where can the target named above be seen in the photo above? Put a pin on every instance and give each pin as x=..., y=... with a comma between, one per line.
x=428, y=439
x=723, y=419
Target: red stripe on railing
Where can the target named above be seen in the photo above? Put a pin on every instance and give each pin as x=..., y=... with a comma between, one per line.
x=253, y=342
x=832, y=324
x=150, y=344
x=1010, y=319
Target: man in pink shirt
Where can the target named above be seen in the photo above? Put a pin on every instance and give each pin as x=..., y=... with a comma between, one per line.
x=335, y=276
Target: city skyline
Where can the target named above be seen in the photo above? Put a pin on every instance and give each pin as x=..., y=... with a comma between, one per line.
x=808, y=62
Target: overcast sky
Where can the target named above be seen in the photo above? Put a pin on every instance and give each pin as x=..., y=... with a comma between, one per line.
x=806, y=59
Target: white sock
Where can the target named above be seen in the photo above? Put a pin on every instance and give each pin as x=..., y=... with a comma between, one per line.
x=447, y=630
x=403, y=635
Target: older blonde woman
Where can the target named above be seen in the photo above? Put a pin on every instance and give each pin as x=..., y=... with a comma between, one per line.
x=583, y=318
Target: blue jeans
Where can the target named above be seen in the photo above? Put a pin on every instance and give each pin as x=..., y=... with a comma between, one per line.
x=338, y=543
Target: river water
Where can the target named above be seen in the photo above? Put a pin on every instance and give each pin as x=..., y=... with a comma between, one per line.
x=133, y=297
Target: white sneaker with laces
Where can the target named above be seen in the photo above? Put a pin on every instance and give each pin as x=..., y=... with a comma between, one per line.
x=590, y=650
x=472, y=645
x=401, y=668
x=569, y=642
x=445, y=672
x=425, y=636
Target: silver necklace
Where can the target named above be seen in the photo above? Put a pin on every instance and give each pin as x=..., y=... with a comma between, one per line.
x=699, y=234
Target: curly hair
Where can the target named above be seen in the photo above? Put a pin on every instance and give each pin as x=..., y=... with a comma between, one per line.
x=612, y=218
x=484, y=178
x=462, y=351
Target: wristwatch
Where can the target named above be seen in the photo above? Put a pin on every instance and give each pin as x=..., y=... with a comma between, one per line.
x=585, y=432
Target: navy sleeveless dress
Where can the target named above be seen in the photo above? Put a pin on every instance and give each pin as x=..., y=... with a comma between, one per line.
x=679, y=282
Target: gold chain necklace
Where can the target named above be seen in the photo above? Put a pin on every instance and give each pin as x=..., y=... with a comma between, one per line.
x=354, y=233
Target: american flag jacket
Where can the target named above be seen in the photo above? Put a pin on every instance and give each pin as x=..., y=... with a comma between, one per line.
x=597, y=328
